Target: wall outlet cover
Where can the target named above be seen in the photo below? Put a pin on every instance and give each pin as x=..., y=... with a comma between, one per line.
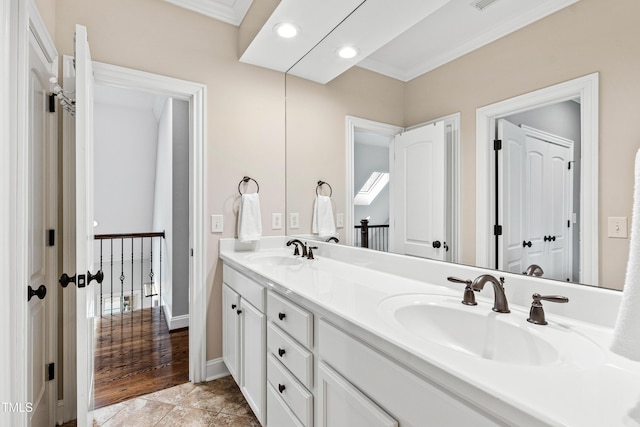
x=294, y=220
x=276, y=221
x=339, y=220
x=217, y=223
x=617, y=227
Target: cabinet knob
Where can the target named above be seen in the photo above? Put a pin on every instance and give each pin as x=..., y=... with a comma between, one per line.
x=281, y=388
x=233, y=306
x=281, y=352
x=238, y=311
x=281, y=316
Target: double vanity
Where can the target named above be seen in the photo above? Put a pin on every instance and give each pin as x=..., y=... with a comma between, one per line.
x=363, y=338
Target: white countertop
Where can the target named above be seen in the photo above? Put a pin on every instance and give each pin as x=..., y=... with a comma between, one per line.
x=589, y=387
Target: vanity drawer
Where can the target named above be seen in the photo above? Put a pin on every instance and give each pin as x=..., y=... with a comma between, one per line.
x=291, y=354
x=291, y=318
x=297, y=398
x=278, y=413
x=247, y=288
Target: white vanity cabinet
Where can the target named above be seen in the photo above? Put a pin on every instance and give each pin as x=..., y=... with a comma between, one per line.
x=289, y=363
x=244, y=337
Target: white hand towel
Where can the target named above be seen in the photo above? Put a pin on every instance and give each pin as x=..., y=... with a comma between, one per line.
x=323, y=224
x=626, y=334
x=249, y=218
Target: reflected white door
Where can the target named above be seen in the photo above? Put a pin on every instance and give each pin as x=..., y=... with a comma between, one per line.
x=418, y=192
x=535, y=201
x=85, y=306
x=42, y=268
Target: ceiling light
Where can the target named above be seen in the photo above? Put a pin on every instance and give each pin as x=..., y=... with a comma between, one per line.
x=286, y=30
x=348, y=52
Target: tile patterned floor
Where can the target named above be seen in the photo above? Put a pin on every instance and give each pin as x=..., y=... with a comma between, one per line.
x=217, y=403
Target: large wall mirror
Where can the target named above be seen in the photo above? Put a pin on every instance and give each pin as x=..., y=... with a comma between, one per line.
x=585, y=38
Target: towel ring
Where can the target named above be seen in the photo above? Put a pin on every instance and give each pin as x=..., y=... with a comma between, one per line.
x=320, y=184
x=245, y=180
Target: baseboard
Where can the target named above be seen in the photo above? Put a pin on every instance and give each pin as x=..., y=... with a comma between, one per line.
x=174, y=322
x=216, y=369
x=60, y=413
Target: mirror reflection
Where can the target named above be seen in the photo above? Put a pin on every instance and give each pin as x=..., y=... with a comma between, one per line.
x=582, y=39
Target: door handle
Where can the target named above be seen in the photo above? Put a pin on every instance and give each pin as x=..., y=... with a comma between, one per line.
x=41, y=292
x=98, y=277
x=65, y=279
x=528, y=244
x=436, y=244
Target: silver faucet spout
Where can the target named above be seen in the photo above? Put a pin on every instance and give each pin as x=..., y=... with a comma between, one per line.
x=500, y=303
x=534, y=270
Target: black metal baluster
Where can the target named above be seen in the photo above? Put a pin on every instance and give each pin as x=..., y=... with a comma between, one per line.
x=160, y=281
x=141, y=273
x=131, y=305
x=122, y=276
x=151, y=273
x=111, y=280
x=101, y=298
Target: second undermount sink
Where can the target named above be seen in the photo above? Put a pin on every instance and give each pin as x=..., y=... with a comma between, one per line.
x=479, y=332
x=274, y=260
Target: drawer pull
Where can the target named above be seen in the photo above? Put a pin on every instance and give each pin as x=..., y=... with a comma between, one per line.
x=281, y=316
x=233, y=306
x=281, y=352
x=281, y=388
x=238, y=311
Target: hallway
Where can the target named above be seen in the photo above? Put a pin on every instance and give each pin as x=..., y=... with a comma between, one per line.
x=136, y=354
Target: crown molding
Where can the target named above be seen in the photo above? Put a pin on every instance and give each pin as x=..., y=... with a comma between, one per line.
x=229, y=11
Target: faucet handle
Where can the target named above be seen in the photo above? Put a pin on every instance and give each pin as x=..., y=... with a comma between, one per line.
x=536, y=314
x=469, y=297
x=310, y=252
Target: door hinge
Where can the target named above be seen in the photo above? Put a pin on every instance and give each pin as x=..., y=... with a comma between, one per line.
x=569, y=165
x=52, y=102
x=568, y=223
x=51, y=371
x=497, y=144
x=191, y=251
x=497, y=230
x=51, y=237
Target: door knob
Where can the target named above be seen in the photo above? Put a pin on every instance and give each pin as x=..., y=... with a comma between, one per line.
x=528, y=244
x=41, y=292
x=65, y=279
x=98, y=277
x=437, y=244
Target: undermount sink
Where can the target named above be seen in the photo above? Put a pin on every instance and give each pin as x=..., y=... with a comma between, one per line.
x=479, y=332
x=274, y=260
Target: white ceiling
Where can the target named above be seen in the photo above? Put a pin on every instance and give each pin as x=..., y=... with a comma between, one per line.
x=401, y=39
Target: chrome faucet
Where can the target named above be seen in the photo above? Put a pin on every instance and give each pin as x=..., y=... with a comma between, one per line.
x=534, y=270
x=500, y=304
x=298, y=244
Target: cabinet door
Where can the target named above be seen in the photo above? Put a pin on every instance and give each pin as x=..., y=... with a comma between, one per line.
x=231, y=331
x=253, y=358
x=341, y=404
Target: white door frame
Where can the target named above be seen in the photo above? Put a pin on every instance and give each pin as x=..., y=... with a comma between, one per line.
x=354, y=124
x=195, y=94
x=587, y=89
x=21, y=18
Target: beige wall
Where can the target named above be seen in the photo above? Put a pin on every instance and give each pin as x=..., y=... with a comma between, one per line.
x=590, y=36
x=316, y=132
x=245, y=104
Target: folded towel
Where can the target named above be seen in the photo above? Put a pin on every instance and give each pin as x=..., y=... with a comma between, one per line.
x=323, y=224
x=249, y=218
x=626, y=334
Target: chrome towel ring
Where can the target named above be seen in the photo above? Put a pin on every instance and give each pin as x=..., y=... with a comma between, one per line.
x=245, y=180
x=320, y=184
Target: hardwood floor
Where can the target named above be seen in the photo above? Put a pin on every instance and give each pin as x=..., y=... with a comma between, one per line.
x=136, y=354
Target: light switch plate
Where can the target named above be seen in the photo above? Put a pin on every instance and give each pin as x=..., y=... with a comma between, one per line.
x=294, y=220
x=276, y=221
x=339, y=220
x=617, y=227
x=217, y=223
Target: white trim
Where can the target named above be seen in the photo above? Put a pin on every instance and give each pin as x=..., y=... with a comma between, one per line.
x=216, y=369
x=217, y=9
x=353, y=124
x=174, y=322
x=587, y=89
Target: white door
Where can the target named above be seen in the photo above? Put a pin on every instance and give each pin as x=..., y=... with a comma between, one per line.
x=535, y=201
x=418, y=192
x=85, y=307
x=253, y=355
x=42, y=260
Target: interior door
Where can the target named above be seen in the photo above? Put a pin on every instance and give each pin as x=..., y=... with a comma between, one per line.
x=42, y=261
x=418, y=192
x=85, y=298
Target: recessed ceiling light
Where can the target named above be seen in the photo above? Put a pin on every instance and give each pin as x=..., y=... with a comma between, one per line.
x=348, y=52
x=286, y=30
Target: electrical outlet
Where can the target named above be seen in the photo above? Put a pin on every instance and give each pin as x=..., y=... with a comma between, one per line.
x=294, y=220
x=617, y=227
x=217, y=223
x=276, y=221
x=339, y=220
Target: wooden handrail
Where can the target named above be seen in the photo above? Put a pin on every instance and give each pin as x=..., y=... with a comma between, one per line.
x=128, y=235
